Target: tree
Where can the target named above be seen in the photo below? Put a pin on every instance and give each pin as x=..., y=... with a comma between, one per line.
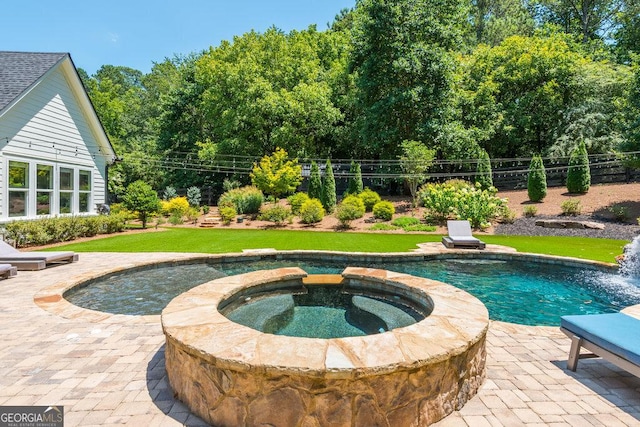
x=328, y=188
x=415, y=161
x=276, y=175
x=632, y=132
x=495, y=20
x=315, y=182
x=483, y=172
x=141, y=198
x=578, y=174
x=404, y=61
x=537, y=180
x=355, y=185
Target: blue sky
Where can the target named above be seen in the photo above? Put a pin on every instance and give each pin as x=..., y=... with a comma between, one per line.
x=136, y=33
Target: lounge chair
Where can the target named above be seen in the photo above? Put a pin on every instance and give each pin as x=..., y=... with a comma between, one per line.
x=33, y=260
x=7, y=271
x=460, y=236
x=614, y=337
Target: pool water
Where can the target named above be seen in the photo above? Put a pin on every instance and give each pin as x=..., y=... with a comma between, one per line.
x=528, y=293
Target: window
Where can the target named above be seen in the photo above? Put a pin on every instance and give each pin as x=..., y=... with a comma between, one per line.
x=44, y=194
x=18, y=188
x=66, y=190
x=84, y=195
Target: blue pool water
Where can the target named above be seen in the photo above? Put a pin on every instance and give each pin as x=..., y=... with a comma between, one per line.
x=528, y=293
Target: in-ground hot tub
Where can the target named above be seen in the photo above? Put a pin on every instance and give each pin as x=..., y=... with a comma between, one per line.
x=230, y=374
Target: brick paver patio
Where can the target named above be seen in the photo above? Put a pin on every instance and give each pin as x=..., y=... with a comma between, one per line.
x=109, y=370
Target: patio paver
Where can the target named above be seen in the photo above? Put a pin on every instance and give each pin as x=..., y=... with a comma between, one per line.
x=109, y=370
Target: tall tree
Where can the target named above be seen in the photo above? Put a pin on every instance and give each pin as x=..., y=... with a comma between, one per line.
x=403, y=56
x=315, y=182
x=495, y=20
x=415, y=161
x=329, y=188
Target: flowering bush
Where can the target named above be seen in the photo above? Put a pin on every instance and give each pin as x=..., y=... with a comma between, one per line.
x=461, y=200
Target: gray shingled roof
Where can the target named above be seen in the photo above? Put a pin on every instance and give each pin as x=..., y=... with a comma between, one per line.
x=20, y=70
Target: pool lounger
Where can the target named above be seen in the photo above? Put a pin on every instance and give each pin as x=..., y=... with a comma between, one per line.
x=7, y=271
x=614, y=337
x=460, y=236
x=33, y=260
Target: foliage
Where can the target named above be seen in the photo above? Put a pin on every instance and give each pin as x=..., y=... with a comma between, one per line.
x=140, y=197
x=495, y=20
x=276, y=175
x=415, y=161
x=384, y=210
x=329, y=188
x=403, y=60
x=571, y=207
x=315, y=182
x=405, y=221
x=206, y=209
x=355, y=179
x=369, y=198
x=178, y=207
x=620, y=213
x=355, y=201
x=227, y=213
x=483, y=172
x=311, y=211
x=420, y=227
x=530, y=211
x=169, y=193
x=456, y=201
x=275, y=213
x=62, y=229
x=383, y=226
x=230, y=184
x=347, y=213
x=246, y=200
x=537, y=180
x=296, y=200
x=194, y=196
x=579, y=174
x=175, y=219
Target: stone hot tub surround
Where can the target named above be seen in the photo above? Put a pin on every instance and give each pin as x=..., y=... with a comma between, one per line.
x=233, y=375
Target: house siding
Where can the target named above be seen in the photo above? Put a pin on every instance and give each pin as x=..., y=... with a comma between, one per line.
x=48, y=125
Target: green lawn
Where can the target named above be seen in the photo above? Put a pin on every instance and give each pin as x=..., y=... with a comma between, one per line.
x=229, y=240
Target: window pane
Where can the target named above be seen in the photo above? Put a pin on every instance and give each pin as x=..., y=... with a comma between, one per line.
x=18, y=174
x=66, y=179
x=66, y=202
x=43, y=203
x=85, y=180
x=45, y=177
x=17, y=203
x=84, y=202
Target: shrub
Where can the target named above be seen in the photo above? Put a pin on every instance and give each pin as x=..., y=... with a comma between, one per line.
x=537, y=180
x=405, y=221
x=277, y=214
x=315, y=182
x=508, y=215
x=206, y=209
x=347, y=213
x=355, y=180
x=140, y=197
x=328, y=188
x=227, y=214
x=296, y=201
x=175, y=219
x=356, y=202
x=194, y=196
x=571, y=207
x=311, y=211
x=192, y=214
x=578, y=174
x=178, y=207
x=461, y=200
x=169, y=193
x=246, y=200
x=620, y=213
x=369, y=198
x=530, y=211
x=383, y=226
x=230, y=184
x=384, y=210
x=484, y=174
x=420, y=227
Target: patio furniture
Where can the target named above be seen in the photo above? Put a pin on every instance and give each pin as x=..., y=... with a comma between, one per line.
x=7, y=271
x=33, y=260
x=613, y=336
x=460, y=236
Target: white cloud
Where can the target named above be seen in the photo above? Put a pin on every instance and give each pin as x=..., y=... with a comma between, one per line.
x=113, y=37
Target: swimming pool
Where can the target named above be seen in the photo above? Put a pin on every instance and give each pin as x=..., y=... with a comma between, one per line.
x=522, y=291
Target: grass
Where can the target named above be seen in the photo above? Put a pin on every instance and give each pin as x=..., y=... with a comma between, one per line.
x=225, y=240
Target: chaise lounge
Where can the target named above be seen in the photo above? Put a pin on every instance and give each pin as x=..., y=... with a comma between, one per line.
x=7, y=271
x=460, y=236
x=33, y=260
x=613, y=336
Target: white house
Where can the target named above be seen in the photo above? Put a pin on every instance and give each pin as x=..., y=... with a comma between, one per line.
x=54, y=152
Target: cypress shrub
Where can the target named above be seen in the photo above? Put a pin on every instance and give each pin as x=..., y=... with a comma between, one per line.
x=537, y=180
x=579, y=175
x=355, y=179
x=329, y=189
x=484, y=174
x=315, y=182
